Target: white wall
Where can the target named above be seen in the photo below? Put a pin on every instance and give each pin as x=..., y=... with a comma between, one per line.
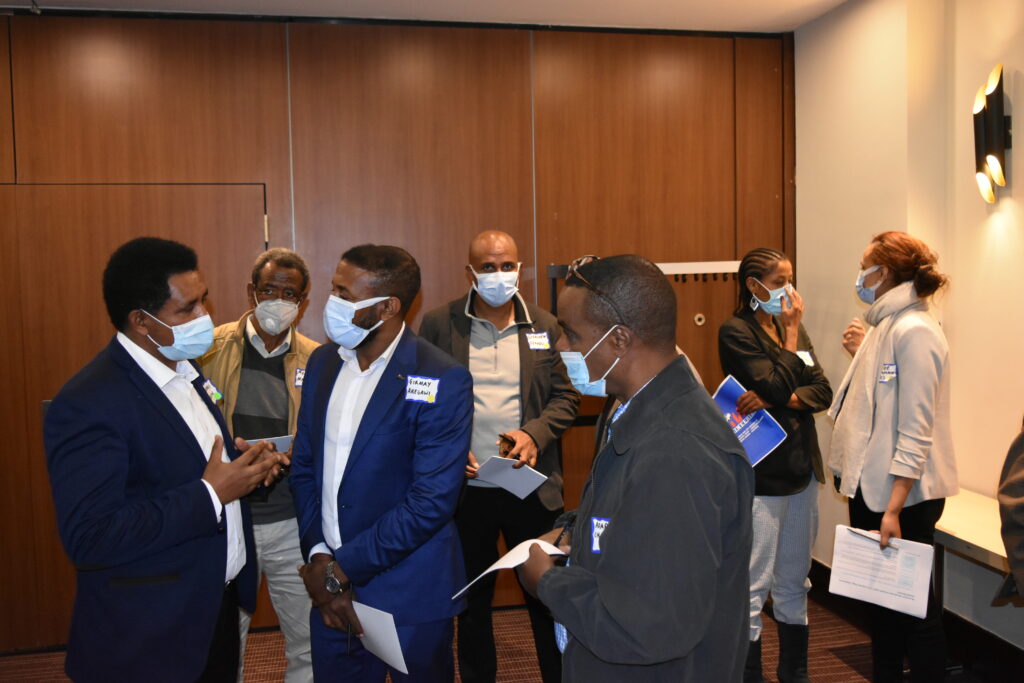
x=884, y=139
x=851, y=170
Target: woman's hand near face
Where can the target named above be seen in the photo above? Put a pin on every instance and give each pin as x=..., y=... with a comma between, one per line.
x=792, y=314
x=853, y=336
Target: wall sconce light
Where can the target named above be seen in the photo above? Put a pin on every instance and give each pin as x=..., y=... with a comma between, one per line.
x=991, y=135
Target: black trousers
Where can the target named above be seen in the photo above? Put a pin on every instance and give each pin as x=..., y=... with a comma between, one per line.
x=222, y=661
x=895, y=635
x=482, y=514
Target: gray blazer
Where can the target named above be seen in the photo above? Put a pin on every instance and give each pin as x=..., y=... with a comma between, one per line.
x=547, y=400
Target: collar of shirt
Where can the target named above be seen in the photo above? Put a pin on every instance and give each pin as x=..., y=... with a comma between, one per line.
x=257, y=341
x=157, y=371
x=622, y=408
x=349, y=355
x=522, y=315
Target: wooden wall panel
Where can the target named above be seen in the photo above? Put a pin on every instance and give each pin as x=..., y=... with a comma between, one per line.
x=413, y=136
x=73, y=231
x=759, y=144
x=7, y=170
x=788, y=149
x=634, y=136
x=101, y=100
x=18, y=584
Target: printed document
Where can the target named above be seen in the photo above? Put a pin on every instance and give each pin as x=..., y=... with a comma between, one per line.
x=380, y=636
x=896, y=577
x=758, y=432
x=500, y=471
x=513, y=558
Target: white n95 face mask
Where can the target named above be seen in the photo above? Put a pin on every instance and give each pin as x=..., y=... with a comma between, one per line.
x=338, y=324
x=191, y=339
x=496, y=288
x=276, y=315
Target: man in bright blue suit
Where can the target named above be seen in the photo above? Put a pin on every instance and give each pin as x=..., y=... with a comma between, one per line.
x=378, y=460
x=146, y=485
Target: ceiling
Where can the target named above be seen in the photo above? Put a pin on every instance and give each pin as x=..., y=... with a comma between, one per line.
x=767, y=16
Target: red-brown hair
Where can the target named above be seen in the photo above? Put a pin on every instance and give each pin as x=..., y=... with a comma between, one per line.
x=908, y=258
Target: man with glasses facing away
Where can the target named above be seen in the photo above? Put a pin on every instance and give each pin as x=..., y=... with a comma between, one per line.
x=656, y=584
x=521, y=391
x=257, y=365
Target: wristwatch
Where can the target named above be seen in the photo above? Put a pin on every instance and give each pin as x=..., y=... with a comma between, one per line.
x=333, y=585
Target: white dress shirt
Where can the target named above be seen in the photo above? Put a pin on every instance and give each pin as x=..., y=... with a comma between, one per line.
x=257, y=341
x=178, y=388
x=349, y=398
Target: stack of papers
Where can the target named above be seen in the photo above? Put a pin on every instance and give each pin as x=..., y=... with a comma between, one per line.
x=896, y=577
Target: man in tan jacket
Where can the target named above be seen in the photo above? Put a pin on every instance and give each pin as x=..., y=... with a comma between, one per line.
x=257, y=364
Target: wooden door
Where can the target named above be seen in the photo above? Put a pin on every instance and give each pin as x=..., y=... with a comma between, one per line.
x=61, y=239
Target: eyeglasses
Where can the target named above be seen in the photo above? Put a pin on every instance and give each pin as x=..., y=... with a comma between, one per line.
x=574, y=272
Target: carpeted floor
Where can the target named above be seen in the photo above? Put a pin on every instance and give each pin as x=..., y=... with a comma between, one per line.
x=838, y=651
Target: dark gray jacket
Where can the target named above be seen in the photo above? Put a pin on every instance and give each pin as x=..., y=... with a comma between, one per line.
x=547, y=400
x=662, y=593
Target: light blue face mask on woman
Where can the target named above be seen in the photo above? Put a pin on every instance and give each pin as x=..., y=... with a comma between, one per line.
x=579, y=373
x=774, y=304
x=867, y=294
x=191, y=339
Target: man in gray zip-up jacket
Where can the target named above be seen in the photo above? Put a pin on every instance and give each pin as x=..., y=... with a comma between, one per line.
x=656, y=588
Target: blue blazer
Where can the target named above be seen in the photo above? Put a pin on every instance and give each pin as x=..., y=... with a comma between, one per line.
x=402, y=482
x=138, y=525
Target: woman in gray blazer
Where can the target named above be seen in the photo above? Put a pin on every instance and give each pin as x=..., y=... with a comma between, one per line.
x=891, y=449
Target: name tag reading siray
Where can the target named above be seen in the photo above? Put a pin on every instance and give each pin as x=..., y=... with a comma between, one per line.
x=538, y=341
x=300, y=374
x=422, y=389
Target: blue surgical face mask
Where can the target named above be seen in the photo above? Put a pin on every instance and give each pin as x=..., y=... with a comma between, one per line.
x=867, y=294
x=338, y=315
x=191, y=339
x=579, y=373
x=496, y=288
x=774, y=304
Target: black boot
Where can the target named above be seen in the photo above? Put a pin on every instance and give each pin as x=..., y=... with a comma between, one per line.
x=752, y=669
x=792, y=653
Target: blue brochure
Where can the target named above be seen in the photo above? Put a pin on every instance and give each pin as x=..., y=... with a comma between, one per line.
x=758, y=432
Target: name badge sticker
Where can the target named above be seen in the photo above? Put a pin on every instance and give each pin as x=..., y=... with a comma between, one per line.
x=538, y=341
x=422, y=389
x=805, y=356
x=212, y=392
x=597, y=527
x=300, y=375
x=888, y=373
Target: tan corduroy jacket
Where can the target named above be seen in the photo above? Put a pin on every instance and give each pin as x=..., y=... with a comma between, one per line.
x=222, y=365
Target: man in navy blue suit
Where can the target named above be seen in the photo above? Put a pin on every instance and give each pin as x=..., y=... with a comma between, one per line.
x=146, y=485
x=384, y=427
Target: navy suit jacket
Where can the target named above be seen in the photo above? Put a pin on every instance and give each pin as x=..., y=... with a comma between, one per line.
x=401, y=484
x=138, y=524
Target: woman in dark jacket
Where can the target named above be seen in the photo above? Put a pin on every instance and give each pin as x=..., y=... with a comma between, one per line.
x=767, y=350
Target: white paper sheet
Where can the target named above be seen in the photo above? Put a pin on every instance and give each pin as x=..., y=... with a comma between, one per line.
x=380, y=636
x=513, y=558
x=896, y=577
x=500, y=471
